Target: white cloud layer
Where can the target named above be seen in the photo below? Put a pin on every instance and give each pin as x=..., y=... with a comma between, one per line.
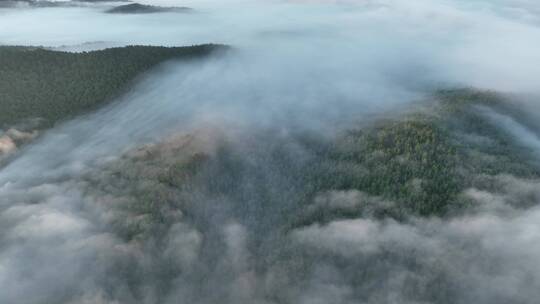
x=295, y=66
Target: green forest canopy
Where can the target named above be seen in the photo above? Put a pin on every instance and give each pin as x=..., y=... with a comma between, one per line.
x=53, y=85
x=419, y=163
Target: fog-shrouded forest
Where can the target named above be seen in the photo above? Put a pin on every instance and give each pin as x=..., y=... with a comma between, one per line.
x=269, y=152
x=53, y=85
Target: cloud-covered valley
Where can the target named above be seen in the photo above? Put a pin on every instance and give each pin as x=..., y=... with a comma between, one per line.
x=273, y=172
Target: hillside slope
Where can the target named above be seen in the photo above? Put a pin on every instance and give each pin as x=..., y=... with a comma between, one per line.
x=293, y=202
x=58, y=85
x=421, y=163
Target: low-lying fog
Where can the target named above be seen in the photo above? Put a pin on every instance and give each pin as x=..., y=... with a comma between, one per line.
x=477, y=43
x=316, y=66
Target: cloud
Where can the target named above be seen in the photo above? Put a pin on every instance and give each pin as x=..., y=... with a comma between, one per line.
x=83, y=219
x=487, y=258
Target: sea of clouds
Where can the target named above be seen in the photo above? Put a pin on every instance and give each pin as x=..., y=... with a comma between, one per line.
x=314, y=66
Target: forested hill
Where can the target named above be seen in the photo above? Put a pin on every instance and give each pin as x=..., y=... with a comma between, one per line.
x=439, y=160
x=53, y=85
x=136, y=8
